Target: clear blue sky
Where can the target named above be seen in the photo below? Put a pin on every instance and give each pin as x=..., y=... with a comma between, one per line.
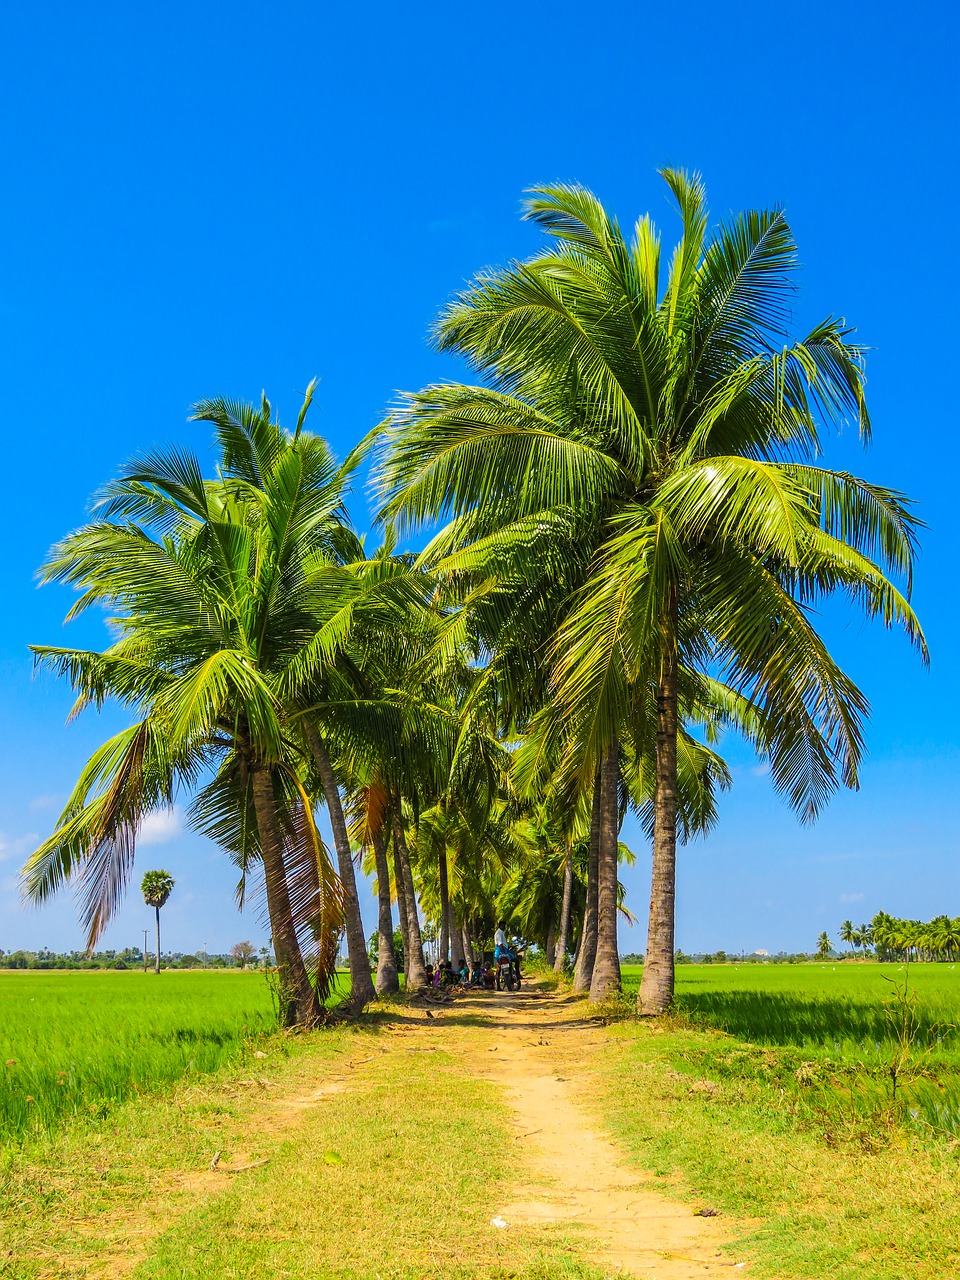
x=210, y=199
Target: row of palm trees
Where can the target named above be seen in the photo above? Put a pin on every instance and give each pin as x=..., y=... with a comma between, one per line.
x=629, y=536
x=906, y=940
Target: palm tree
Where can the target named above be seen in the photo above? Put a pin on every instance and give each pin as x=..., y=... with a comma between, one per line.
x=864, y=937
x=848, y=933
x=668, y=431
x=216, y=588
x=823, y=946
x=156, y=887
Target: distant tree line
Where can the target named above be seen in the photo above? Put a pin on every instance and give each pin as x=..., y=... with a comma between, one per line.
x=128, y=958
x=905, y=940
x=726, y=957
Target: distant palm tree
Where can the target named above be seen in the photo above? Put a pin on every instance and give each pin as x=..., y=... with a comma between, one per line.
x=865, y=938
x=823, y=946
x=156, y=887
x=848, y=934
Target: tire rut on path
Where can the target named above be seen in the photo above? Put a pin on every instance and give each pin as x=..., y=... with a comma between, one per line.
x=575, y=1173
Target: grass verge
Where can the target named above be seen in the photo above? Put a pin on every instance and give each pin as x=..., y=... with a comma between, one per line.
x=723, y=1124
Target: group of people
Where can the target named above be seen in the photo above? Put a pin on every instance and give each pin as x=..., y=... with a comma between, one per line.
x=475, y=973
x=479, y=973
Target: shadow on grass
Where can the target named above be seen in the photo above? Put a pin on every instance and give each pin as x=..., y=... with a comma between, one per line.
x=777, y=1018
x=464, y=1009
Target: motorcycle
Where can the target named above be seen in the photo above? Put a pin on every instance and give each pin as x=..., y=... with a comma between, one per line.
x=508, y=970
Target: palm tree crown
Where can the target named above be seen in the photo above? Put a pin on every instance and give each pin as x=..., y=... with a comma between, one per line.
x=156, y=887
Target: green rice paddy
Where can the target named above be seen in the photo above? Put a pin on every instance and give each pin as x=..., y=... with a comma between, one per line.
x=847, y=1010
x=858, y=1040
x=73, y=1043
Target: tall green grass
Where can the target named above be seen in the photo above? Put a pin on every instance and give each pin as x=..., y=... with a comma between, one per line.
x=835, y=1032
x=73, y=1044
x=838, y=1009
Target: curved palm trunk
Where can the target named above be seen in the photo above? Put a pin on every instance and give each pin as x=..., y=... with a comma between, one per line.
x=587, y=950
x=416, y=974
x=606, y=967
x=468, y=954
x=387, y=977
x=656, y=987
x=157, y=970
x=361, y=984
x=444, y=909
x=299, y=1005
x=563, y=934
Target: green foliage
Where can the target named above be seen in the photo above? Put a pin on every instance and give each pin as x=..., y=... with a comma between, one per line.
x=156, y=887
x=649, y=443
x=373, y=949
x=937, y=939
x=637, y=538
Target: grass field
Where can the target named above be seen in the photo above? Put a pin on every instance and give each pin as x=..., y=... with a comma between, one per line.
x=841, y=1008
x=852, y=1037
x=74, y=1044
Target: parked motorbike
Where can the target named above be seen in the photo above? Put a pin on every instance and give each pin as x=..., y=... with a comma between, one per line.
x=506, y=974
x=508, y=971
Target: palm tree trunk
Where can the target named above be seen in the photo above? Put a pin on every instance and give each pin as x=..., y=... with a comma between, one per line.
x=299, y=1005
x=362, y=990
x=444, y=910
x=387, y=978
x=456, y=941
x=468, y=953
x=401, y=907
x=157, y=970
x=587, y=950
x=606, y=966
x=416, y=974
x=656, y=986
x=550, y=950
x=565, y=909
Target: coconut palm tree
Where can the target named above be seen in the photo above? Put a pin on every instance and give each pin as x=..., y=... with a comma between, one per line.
x=823, y=946
x=156, y=887
x=848, y=933
x=669, y=430
x=864, y=936
x=216, y=588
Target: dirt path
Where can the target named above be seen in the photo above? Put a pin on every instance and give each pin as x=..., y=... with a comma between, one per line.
x=540, y=1056
x=539, y=1051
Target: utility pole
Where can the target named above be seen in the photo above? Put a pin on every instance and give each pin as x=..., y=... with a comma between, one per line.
x=145, y=932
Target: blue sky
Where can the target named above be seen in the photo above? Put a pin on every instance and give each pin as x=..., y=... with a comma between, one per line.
x=214, y=199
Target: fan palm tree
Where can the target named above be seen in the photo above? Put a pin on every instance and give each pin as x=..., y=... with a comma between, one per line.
x=669, y=429
x=156, y=887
